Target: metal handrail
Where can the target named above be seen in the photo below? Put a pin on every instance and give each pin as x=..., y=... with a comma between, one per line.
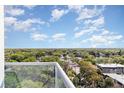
x=67, y=81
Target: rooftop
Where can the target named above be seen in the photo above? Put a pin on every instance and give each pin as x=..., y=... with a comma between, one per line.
x=110, y=65
x=118, y=77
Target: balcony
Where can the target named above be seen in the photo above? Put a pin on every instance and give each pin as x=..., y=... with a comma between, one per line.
x=36, y=75
x=1, y=84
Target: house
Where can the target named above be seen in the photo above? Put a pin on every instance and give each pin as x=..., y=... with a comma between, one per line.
x=75, y=67
x=68, y=57
x=111, y=68
x=101, y=55
x=115, y=71
x=118, y=78
x=79, y=58
x=62, y=58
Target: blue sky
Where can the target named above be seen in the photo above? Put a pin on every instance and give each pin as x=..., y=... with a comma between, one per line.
x=64, y=26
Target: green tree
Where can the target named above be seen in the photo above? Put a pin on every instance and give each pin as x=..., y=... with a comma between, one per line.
x=40, y=53
x=88, y=74
x=17, y=57
x=50, y=59
x=11, y=80
x=12, y=61
x=109, y=82
x=57, y=53
x=76, y=81
x=71, y=73
x=31, y=84
x=30, y=59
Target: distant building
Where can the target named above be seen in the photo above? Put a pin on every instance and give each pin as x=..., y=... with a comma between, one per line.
x=115, y=71
x=62, y=58
x=68, y=57
x=79, y=58
x=101, y=55
x=111, y=68
x=75, y=67
x=118, y=78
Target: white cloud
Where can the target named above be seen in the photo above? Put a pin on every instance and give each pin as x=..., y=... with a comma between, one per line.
x=93, y=20
x=76, y=28
x=34, y=20
x=39, y=37
x=9, y=21
x=22, y=25
x=105, y=38
x=98, y=39
x=114, y=37
x=87, y=22
x=85, y=31
x=76, y=8
x=82, y=32
x=82, y=12
x=101, y=9
x=105, y=32
x=57, y=14
x=87, y=13
x=98, y=22
x=84, y=41
x=29, y=6
x=13, y=11
x=91, y=26
x=93, y=46
x=59, y=37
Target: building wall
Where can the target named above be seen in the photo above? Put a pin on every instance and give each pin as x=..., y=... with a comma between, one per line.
x=118, y=70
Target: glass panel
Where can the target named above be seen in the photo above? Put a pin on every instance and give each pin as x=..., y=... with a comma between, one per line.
x=38, y=75
x=29, y=76
x=59, y=80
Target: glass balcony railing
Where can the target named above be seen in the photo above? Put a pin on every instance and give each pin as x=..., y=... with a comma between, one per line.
x=1, y=84
x=35, y=75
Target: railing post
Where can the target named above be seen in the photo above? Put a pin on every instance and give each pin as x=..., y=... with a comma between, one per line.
x=56, y=77
x=65, y=78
